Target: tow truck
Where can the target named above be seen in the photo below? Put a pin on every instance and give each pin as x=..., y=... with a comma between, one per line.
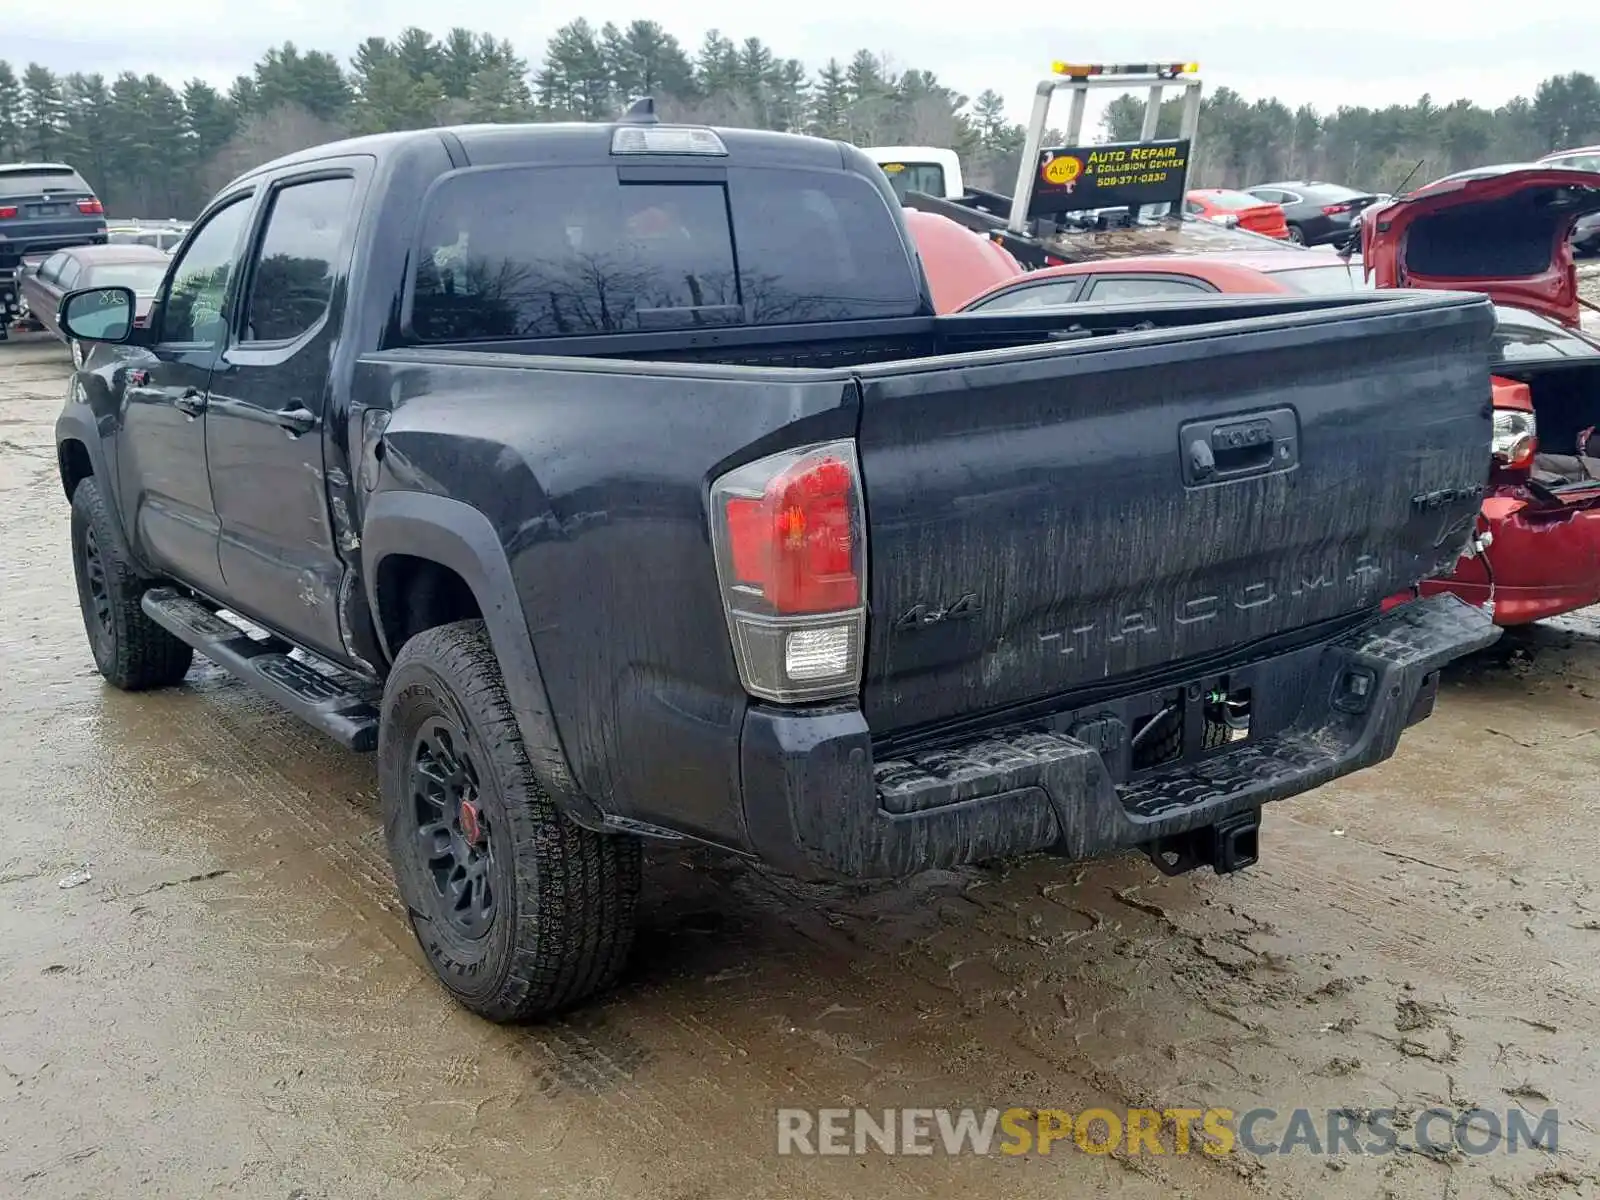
x=1129, y=193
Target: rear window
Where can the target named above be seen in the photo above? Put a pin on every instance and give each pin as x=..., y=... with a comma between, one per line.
x=927, y=178
x=39, y=180
x=532, y=252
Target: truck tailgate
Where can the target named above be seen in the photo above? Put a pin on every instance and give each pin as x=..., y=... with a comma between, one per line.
x=1046, y=518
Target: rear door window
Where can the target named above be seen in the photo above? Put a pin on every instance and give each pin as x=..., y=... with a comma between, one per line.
x=1040, y=295
x=1109, y=289
x=291, y=283
x=530, y=252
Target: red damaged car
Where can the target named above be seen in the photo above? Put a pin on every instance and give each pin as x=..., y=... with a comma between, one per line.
x=1506, y=231
x=1499, y=230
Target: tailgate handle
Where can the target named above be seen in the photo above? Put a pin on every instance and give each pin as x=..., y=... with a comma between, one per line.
x=1239, y=447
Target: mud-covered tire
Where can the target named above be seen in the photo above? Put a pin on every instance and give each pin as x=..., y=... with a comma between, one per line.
x=563, y=897
x=130, y=650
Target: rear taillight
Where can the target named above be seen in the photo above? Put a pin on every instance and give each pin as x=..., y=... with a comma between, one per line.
x=790, y=541
x=1333, y=210
x=1516, y=438
x=7, y=212
x=91, y=207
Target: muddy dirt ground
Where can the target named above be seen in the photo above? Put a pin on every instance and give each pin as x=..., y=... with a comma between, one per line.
x=231, y=1004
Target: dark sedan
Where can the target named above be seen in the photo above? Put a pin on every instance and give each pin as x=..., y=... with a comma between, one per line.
x=1317, y=214
x=138, y=267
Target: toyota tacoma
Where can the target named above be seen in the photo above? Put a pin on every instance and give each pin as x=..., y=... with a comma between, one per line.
x=618, y=482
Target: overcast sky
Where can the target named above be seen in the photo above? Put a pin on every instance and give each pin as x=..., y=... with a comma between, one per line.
x=1316, y=54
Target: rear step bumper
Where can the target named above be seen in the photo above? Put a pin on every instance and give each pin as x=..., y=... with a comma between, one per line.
x=817, y=805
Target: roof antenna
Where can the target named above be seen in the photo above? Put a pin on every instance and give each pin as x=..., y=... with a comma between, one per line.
x=641, y=112
x=1401, y=190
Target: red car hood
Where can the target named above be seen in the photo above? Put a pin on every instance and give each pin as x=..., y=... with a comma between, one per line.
x=1504, y=234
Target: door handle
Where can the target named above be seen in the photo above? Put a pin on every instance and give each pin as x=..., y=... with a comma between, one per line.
x=192, y=402
x=296, y=420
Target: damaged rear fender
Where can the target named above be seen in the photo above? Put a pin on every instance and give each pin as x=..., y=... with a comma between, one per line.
x=460, y=538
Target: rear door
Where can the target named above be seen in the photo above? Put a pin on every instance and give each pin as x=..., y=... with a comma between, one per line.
x=42, y=290
x=1048, y=518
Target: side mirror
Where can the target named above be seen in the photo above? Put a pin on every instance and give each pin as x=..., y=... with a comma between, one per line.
x=97, y=314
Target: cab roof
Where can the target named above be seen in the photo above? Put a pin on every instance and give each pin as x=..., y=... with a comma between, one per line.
x=573, y=143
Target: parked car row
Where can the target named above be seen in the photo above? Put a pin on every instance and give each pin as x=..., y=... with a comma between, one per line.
x=44, y=206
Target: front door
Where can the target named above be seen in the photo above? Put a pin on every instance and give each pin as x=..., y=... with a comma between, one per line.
x=162, y=443
x=268, y=405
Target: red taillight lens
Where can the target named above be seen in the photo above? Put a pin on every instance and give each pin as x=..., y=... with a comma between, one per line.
x=7, y=212
x=1334, y=210
x=91, y=207
x=795, y=543
x=791, y=559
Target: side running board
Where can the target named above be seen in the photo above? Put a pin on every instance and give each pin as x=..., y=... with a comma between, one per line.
x=343, y=707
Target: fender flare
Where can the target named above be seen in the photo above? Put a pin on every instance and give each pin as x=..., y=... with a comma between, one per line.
x=457, y=536
x=77, y=424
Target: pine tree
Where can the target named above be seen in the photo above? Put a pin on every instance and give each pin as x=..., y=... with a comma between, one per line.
x=11, y=114
x=44, y=113
x=716, y=66
x=575, y=83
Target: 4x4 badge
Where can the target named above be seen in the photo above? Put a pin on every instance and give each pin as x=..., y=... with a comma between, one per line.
x=920, y=615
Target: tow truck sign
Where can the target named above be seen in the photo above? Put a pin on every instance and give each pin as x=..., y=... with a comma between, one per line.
x=1073, y=178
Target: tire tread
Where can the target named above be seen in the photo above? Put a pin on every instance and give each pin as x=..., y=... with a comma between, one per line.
x=576, y=890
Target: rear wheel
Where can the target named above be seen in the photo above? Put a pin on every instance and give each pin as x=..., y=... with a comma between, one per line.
x=1297, y=235
x=130, y=650
x=519, y=912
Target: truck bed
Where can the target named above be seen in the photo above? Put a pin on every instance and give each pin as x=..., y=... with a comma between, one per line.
x=1037, y=532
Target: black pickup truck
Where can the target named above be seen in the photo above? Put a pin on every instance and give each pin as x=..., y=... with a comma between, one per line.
x=617, y=482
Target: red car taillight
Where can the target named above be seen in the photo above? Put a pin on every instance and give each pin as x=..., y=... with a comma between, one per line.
x=1516, y=439
x=1333, y=210
x=1516, y=433
x=7, y=212
x=91, y=207
x=790, y=539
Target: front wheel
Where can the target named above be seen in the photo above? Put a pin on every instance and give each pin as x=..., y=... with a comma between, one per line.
x=520, y=912
x=130, y=650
